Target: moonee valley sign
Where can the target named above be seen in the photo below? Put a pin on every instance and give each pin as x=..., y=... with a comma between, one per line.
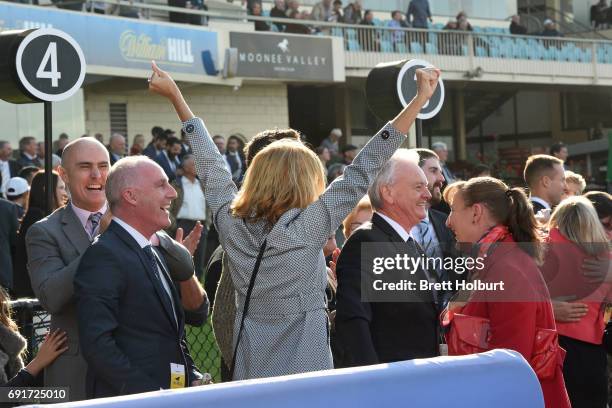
x=283, y=56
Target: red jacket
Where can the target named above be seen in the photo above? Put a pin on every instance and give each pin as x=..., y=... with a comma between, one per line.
x=513, y=324
x=562, y=271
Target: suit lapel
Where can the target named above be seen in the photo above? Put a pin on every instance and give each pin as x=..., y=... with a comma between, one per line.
x=388, y=230
x=151, y=274
x=402, y=246
x=175, y=297
x=74, y=231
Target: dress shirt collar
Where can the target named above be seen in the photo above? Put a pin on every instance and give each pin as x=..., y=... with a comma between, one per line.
x=540, y=201
x=142, y=241
x=83, y=215
x=396, y=226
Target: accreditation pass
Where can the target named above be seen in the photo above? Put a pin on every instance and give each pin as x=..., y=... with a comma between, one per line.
x=34, y=394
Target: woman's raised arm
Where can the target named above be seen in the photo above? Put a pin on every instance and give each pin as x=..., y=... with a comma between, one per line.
x=219, y=189
x=323, y=217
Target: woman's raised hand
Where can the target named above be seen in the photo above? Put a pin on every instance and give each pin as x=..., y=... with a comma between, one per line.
x=161, y=83
x=427, y=81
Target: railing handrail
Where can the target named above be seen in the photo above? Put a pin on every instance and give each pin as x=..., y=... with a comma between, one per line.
x=321, y=24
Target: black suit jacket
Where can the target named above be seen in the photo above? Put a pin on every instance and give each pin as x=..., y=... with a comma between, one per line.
x=445, y=236
x=536, y=206
x=8, y=237
x=25, y=161
x=372, y=333
x=112, y=157
x=127, y=331
x=448, y=244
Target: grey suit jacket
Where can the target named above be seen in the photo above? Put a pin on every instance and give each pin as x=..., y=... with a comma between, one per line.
x=55, y=245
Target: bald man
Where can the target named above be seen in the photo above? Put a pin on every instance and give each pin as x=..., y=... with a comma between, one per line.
x=55, y=246
x=131, y=325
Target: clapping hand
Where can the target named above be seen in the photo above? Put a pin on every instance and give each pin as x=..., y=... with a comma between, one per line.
x=193, y=238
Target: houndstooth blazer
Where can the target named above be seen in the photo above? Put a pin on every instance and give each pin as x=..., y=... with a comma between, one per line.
x=286, y=329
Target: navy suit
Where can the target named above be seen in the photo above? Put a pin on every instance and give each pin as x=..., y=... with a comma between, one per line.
x=164, y=162
x=25, y=161
x=150, y=151
x=128, y=332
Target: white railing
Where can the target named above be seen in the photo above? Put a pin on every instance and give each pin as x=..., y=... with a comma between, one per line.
x=589, y=60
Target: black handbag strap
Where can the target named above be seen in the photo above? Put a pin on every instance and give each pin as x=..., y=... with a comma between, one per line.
x=245, y=308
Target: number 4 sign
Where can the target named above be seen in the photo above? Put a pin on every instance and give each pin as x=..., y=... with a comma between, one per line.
x=48, y=64
x=42, y=65
x=54, y=75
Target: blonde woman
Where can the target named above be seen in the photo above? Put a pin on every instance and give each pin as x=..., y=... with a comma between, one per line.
x=574, y=184
x=576, y=234
x=277, y=225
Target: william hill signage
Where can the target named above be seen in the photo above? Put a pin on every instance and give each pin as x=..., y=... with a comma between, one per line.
x=304, y=58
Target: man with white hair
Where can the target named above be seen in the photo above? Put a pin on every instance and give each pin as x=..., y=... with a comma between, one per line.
x=374, y=324
x=331, y=142
x=116, y=147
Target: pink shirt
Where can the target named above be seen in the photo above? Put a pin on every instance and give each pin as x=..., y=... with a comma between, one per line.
x=83, y=216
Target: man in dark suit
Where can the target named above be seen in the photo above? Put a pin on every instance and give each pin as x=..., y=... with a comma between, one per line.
x=131, y=325
x=116, y=147
x=9, y=224
x=168, y=159
x=28, y=152
x=432, y=234
x=379, y=326
x=8, y=168
x=545, y=177
x=158, y=144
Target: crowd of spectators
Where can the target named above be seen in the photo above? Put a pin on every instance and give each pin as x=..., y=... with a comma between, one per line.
x=120, y=290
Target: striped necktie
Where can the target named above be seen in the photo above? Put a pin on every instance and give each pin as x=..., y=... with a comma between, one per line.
x=426, y=238
x=94, y=222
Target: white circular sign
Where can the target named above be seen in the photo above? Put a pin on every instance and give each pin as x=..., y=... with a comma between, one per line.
x=407, y=88
x=50, y=64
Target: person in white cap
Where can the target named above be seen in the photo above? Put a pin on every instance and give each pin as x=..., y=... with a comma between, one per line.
x=331, y=142
x=550, y=30
x=17, y=191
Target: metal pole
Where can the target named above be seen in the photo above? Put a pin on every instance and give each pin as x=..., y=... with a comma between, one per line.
x=48, y=157
x=418, y=124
